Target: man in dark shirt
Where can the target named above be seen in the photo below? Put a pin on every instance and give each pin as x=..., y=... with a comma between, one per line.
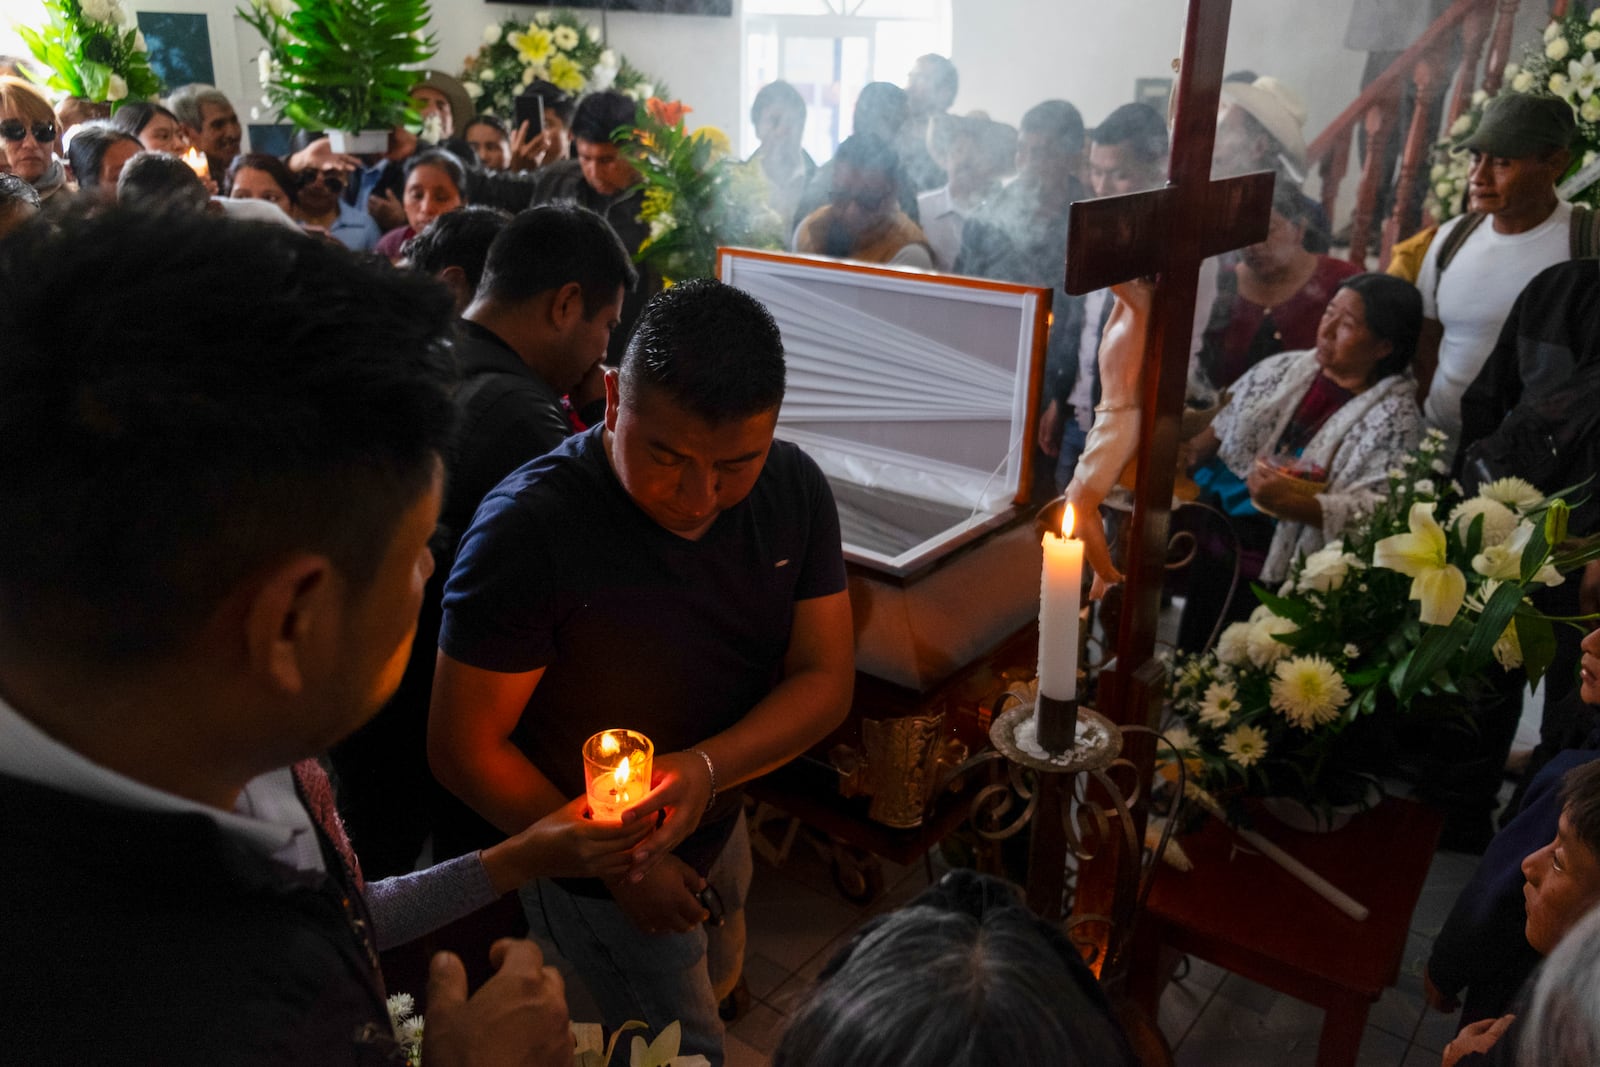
x=675, y=571
x=210, y=565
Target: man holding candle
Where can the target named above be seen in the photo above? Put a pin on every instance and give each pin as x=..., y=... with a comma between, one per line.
x=675, y=572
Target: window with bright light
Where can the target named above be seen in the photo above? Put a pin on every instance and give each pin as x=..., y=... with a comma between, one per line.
x=829, y=50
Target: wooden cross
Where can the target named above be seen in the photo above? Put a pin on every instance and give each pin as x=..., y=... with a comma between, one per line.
x=1165, y=233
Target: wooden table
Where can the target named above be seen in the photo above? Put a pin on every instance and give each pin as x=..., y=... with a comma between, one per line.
x=1243, y=913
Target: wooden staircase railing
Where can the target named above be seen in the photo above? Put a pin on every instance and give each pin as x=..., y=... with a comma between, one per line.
x=1426, y=65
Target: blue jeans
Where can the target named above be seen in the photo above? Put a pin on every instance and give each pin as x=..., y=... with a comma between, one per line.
x=656, y=978
x=1073, y=438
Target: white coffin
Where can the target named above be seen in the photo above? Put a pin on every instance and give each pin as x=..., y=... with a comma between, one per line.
x=917, y=394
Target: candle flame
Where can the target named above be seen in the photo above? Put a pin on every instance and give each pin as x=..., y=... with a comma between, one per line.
x=1069, y=520
x=623, y=772
x=197, y=162
x=609, y=745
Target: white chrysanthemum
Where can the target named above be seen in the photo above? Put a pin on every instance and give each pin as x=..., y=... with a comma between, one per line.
x=401, y=1005
x=1352, y=651
x=1558, y=85
x=1558, y=49
x=410, y=1032
x=96, y=10
x=530, y=73
x=1327, y=568
x=1193, y=674
x=1508, y=650
x=1590, y=111
x=116, y=87
x=1265, y=648
x=1181, y=739
x=1479, y=98
x=1552, y=31
x=1522, y=82
x=1221, y=701
x=565, y=37
x=1425, y=487
x=1591, y=41
x=1499, y=521
x=492, y=33
x=487, y=74
x=645, y=90
x=1246, y=745
x=608, y=58
x=473, y=89
x=1308, y=691
x=594, y=34
x=1435, y=435
x=1461, y=126
x=1233, y=646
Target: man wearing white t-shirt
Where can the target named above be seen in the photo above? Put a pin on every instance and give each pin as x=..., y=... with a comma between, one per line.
x=1519, y=227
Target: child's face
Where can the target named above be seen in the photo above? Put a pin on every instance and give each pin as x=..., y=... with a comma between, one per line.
x=1563, y=884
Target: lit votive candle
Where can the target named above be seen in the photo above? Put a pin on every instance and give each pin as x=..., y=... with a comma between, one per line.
x=616, y=771
x=197, y=162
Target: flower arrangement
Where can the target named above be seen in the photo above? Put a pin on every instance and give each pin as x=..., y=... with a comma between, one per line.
x=1565, y=64
x=343, y=65
x=1414, y=601
x=696, y=197
x=407, y=1027
x=94, y=50
x=557, y=47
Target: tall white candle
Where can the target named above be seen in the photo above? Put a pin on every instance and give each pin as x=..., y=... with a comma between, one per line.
x=1060, y=597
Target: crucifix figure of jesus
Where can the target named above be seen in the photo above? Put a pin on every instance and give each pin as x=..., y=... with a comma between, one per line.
x=1148, y=247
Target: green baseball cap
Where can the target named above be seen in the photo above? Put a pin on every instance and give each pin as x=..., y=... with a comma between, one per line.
x=1515, y=125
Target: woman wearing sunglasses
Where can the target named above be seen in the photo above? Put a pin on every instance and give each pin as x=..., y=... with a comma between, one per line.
x=319, y=206
x=28, y=143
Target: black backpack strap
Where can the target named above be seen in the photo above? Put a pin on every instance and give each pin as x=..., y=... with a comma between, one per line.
x=1452, y=244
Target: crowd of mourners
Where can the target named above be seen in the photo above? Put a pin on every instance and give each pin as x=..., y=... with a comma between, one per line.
x=324, y=507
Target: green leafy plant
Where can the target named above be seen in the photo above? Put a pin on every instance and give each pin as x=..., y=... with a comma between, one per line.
x=696, y=197
x=94, y=50
x=1403, y=616
x=342, y=64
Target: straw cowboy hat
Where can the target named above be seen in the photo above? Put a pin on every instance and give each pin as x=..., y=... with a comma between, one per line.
x=461, y=109
x=1277, y=108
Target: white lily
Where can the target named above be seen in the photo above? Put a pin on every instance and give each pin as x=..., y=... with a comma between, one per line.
x=1436, y=583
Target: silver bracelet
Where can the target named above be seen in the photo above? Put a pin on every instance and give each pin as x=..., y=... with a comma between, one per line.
x=711, y=770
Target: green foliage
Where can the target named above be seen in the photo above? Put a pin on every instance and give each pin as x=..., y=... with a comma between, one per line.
x=94, y=51
x=343, y=64
x=696, y=198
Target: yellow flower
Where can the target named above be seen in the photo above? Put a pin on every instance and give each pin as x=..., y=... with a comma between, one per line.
x=1245, y=745
x=565, y=75
x=720, y=145
x=565, y=38
x=1308, y=691
x=1437, y=584
x=533, y=46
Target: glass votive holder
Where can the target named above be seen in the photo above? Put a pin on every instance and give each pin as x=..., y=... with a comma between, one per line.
x=616, y=771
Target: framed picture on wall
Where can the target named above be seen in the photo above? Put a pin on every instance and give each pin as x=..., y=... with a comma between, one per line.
x=194, y=41
x=1153, y=92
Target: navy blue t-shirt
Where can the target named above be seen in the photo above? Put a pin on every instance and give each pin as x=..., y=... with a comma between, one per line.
x=635, y=626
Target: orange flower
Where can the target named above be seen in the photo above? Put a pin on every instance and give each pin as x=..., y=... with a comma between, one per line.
x=668, y=113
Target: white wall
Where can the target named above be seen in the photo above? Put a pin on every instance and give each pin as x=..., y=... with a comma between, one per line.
x=1011, y=53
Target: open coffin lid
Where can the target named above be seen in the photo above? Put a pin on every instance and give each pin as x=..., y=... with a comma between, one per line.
x=914, y=392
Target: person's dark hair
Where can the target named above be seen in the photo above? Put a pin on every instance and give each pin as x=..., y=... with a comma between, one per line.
x=779, y=94
x=445, y=161
x=711, y=349
x=1057, y=120
x=548, y=246
x=964, y=976
x=272, y=166
x=1139, y=128
x=158, y=181
x=1580, y=802
x=133, y=118
x=864, y=151
x=1248, y=77
x=88, y=147
x=146, y=474
x=457, y=239
x=486, y=120
x=13, y=190
x=881, y=109
x=557, y=101
x=1288, y=201
x=1394, y=313
x=945, y=75
x=599, y=114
